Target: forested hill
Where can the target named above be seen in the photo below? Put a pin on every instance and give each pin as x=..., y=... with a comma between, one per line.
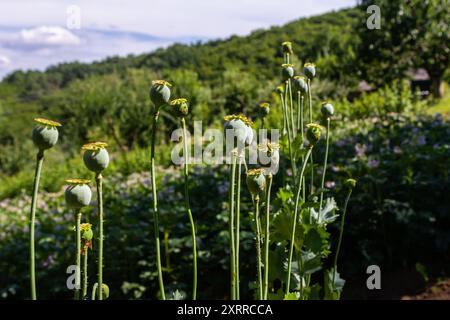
x=326, y=39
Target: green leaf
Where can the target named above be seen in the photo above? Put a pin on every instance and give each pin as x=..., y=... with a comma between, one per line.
x=327, y=215
x=333, y=289
x=292, y=296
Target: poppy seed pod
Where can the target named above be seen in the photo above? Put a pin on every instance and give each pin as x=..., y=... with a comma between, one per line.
x=313, y=133
x=160, y=92
x=78, y=194
x=180, y=108
x=309, y=69
x=45, y=135
x=327, y=109
x=280, y=89
x=287, y=47
x=269, y=155
x=264, y=109
x=256, y=181
x=96, y=157
x=300, y=84
x=241, y=126
x=86, y=231
x=350, y=183
x=287, y=71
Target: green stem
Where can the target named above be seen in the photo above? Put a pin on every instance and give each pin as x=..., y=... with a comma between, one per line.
x=155, y=208
x=188, y=208
x=37, y=176
x=85, y=273
x=310, y=121
x=291, y=106
x=294, y=221
x=258, y=249
x=78, y=256
x=341, y=232
x=267, y=240
x=232, y=234
x=300, y=121
x=94, y=291
x=238, y=214
x=325, y=163
x=99, y=183
x=289, y=138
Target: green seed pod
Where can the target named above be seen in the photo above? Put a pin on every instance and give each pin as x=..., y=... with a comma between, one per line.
x=327, y=109
x=160, y=93
x=78, y=194
x=280, y=89
x=264, y=109
x=256, y=181
x=105, y=290
x=96, y=157
x=269, y=156
x=287, y=47
x=300, y=84
x=45, y=135
x=313, y=133
x=309, y=69
x=180, y=108
x=287, y=71
x=350, y=183
x=242, y=128
x=86, y=231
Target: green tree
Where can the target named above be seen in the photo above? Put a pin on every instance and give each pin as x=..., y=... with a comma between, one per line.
x=413, y=34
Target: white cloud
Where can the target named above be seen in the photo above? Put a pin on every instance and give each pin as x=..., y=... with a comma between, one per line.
x=47, y=36
x=4, y=62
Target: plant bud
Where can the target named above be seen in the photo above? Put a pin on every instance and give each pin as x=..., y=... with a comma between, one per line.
x=45, y=135
x=78, y=194
x=241, y=127
x=86, y=231
x=350, y=183
x=180, y=108
x=280, y=89
x=327, y=109
x=264, y=109
x=96, y=157
x=309, y=69
x=256, y=181
x=300, y=84
x=287, y=71
x=287, y=47
x=313, y=133
x=160, y=92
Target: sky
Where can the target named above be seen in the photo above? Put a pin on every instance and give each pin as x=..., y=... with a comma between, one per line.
x=35, y=34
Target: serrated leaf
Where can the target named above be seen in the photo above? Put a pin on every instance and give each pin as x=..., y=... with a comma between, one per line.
x=327, y=215
x=333, y=289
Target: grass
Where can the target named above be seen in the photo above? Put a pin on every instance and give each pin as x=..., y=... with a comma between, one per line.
x=443, y=105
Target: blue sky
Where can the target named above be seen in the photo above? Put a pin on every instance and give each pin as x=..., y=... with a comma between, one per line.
x=37, y=33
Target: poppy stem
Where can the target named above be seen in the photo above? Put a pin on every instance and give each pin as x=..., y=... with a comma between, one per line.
x=37, y=176
x=294, y=220
x=188, y=208
x=99, y=183
x=155, y=208
x=325, y=163
x=238, y=214
x=267, y=238
x=258, y=249
x=232, y=234
x=85, y=273
x=341, y=232
x=78, y=256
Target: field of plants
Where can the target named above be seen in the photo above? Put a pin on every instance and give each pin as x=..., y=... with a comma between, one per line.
x=314, y=181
